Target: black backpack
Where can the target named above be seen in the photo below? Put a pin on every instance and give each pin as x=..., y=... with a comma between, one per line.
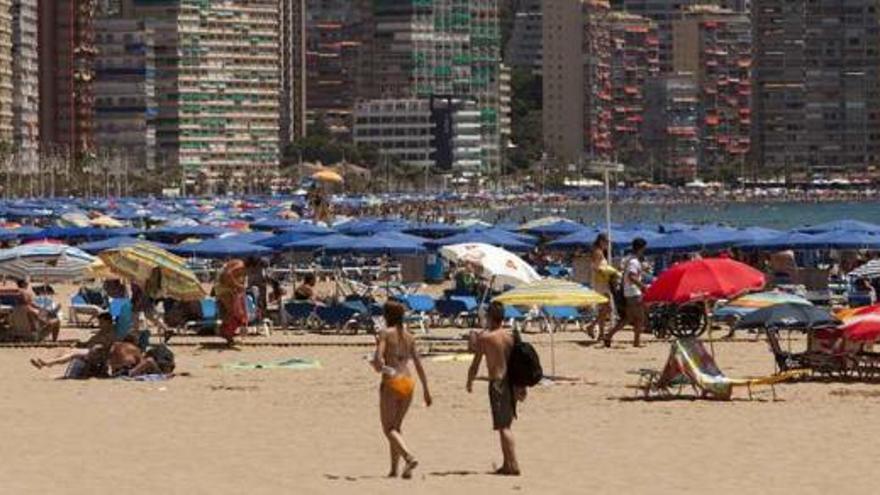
x=523, y=365
x=163, y=356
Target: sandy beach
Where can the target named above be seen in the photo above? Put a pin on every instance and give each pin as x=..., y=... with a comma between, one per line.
x=317, y=431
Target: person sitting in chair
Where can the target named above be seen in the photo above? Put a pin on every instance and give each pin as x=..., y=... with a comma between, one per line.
x=41, y=324
x=306, y=290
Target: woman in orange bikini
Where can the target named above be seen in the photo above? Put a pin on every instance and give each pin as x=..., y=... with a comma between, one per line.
x=395, y=348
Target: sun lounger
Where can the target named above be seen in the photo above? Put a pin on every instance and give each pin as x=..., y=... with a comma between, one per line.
x=690, y=363
x=209, y=317
x=517, y=319
x=421, y=309
x=300, y=313
x=337, y=317
x=821, y=362
x=560, y=316
x=455, y=311
x=85, y=306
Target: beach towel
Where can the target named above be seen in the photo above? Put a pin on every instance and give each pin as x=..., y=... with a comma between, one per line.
x=147, y=378
x=290, y=363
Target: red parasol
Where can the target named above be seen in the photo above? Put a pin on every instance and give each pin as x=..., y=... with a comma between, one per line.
x=864, y=328
x=704, y=279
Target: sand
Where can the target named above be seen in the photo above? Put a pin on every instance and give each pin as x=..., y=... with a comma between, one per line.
x=317, y=431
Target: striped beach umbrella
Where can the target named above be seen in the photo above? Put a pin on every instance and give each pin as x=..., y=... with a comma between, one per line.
x=750, y=303
x=552, y=292
x=45, y=262
x=137, y=263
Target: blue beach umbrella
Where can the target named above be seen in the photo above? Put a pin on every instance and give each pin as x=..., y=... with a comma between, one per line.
x=845, y=225
x=788, y=240
x=375, y=245
x=315, y=243
x=434, y=230
x=219, y=249
x=115, y=243
x=249, y=237
x=497, y=238
x=840, y=239
x=556, y=229
x=308, y=229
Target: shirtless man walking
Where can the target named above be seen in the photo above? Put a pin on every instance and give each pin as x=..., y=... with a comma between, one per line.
x=496, y=344
x=395, y=348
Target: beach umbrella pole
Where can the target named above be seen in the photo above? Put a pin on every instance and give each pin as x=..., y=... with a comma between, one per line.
x=552, y=350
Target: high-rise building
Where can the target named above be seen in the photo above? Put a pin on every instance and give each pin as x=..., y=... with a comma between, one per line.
x=524, y=48
x=665, y=13
x=671, y=130
x=217, y=79
x=336, y=61
x=126, y=106
x=715, y=46
x=563, y=79
x=441, y=48
x=396, y=30
x=817, y=103
x=66, y=55
x=437, y=132
x=596, y=64
x=6, y=74
x=25, y=81
x=401, y=128
x=292, y=43
x=634, y=62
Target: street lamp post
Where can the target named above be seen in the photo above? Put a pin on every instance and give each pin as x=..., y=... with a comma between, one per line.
x=606, y=168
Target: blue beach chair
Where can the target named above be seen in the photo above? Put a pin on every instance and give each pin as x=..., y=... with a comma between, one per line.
x=561, y=316
x=421, y=308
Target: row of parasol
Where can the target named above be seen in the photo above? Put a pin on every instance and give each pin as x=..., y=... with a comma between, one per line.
x=53, y=263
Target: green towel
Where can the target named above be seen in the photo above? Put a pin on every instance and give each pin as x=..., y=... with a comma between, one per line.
x=290, y=363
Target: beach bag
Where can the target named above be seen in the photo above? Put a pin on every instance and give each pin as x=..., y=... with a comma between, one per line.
x=523, y=365
x=163, y=356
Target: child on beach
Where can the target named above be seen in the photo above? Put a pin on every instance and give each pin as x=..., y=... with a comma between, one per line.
x=395, y=348
x=496, y=344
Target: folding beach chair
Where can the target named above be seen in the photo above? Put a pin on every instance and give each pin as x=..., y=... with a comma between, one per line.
x=690, y=363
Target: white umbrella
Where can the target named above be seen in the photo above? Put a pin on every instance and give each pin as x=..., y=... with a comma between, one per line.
x=500, y=266
x=45, y=262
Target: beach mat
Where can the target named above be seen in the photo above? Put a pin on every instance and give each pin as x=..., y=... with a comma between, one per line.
x=288, y=364
x=450, y=358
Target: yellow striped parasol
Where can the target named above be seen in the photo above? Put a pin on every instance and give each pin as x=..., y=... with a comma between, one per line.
x=137, y=262
x=99, y=269
x=552, y=292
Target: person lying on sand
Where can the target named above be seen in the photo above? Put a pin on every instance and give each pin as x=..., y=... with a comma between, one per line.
x=395, y=348
x=496, y=344
x=82, y=364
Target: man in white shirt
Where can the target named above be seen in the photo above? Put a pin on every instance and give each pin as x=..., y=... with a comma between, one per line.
x=634, y=313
